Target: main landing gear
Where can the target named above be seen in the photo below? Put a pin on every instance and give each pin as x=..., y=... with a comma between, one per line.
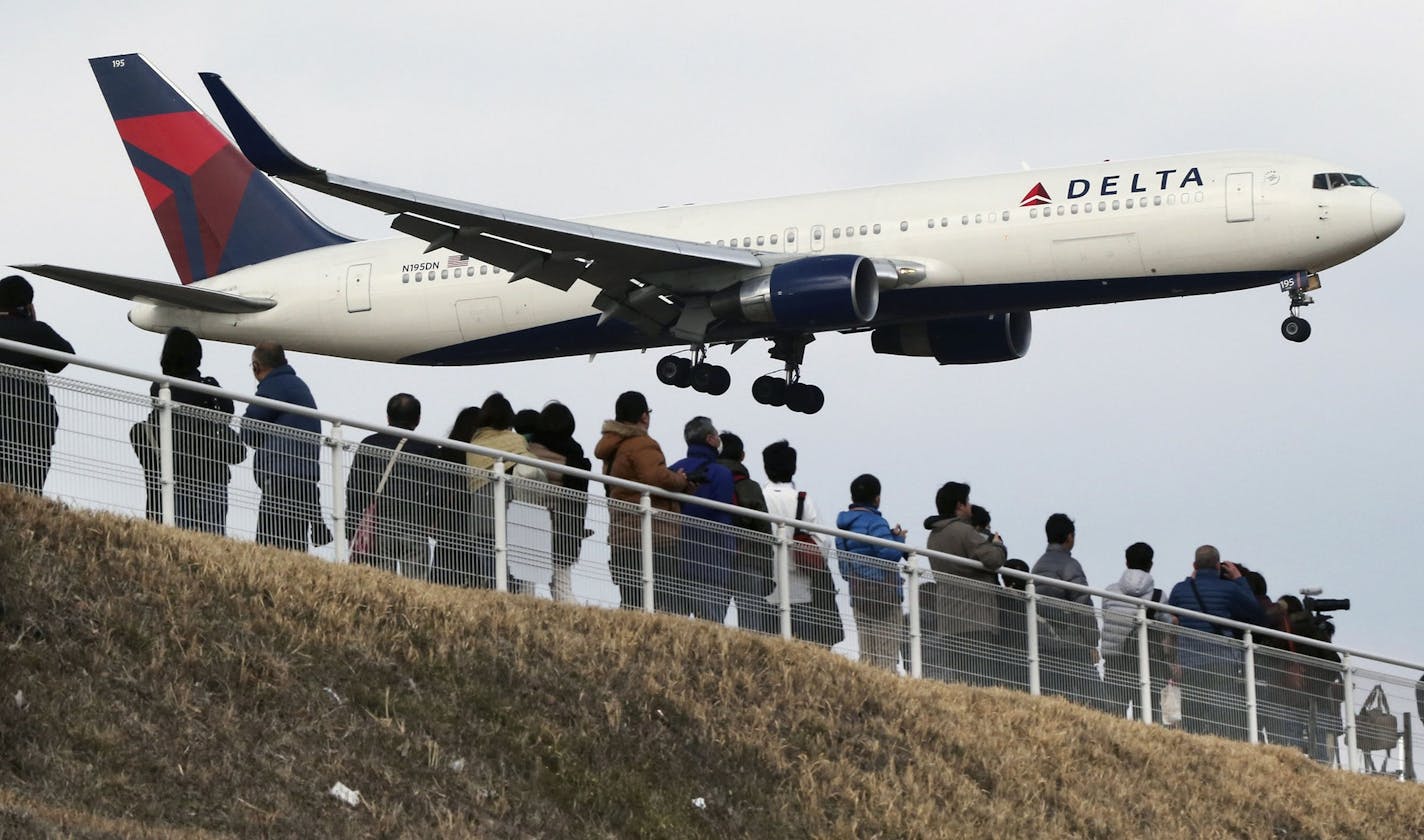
x=773, y=389
x=787, y=389
x=1296, y=328
x=696, y=373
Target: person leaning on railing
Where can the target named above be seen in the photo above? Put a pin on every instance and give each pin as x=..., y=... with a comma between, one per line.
x=876, y=592
x=965, y=619
x=496, y=431
x=1069, y=643
x=553, y=440
x=629, y=453
x=28, y=418
x=388, y=496
x=204, y=444
x=752, y=567
x=286, y=465
x=1210, y=671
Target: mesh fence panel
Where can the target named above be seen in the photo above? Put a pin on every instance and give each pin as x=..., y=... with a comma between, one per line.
x=434, y=520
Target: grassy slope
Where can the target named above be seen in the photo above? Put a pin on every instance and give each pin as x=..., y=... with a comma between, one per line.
x=177, y=683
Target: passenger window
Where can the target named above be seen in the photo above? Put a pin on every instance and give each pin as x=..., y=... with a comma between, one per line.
x=930, y=223
x=1033, y=212
x=944, y=222
x=405, y=278
x=816, y=233
x=773, y=239
x=761, y=240
x=862, y=230
x=1087, y=207
x=1129, y=204
x=496, y=269
x=444, y=274
x=835, y=233
x=1171, y=199
x=746, y=242
x=791, y=236
x=484, y=269
x=1075, y=210
x=721, y=242
x=418, y=275
x=459, y=272
x=1156, y=201
x=850, y=231
x=1004, y=216
x=964, y=220
x=978, y=218
x=1117, y=205
x=904, y=226
x=876, y=229
x=1102, y=206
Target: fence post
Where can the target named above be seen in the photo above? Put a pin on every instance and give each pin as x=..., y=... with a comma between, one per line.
x=165, y=454
x=1144, y=668
x=912, y=592
x=783, y=579
x=1347, y=673
x=337, y=444
x=649, y=590
x=501, y=523
x=1035, y=685
x=1253, y=733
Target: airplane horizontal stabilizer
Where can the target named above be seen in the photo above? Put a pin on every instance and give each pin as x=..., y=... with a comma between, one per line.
x=132, y=288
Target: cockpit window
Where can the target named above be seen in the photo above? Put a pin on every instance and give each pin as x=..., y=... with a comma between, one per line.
x=1331, y=180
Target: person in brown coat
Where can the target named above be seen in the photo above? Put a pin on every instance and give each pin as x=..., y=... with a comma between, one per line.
x=628, y=452
x=966, y=624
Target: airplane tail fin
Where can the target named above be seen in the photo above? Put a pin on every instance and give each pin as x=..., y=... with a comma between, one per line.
x=216, y=212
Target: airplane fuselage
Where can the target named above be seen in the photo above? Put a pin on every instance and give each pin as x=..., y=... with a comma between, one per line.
x=1115, y=231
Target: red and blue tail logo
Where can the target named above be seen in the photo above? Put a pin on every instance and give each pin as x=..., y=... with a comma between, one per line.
x=215, y=211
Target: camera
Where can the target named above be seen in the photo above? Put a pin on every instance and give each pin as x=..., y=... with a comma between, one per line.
x=1324, y=605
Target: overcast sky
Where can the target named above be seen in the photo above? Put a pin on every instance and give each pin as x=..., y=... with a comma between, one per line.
x=1177, y=422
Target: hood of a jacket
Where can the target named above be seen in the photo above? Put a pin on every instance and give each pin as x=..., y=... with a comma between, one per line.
x=614, y=433
x=1136, y=583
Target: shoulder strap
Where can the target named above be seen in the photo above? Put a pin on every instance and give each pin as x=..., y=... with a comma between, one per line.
x=800, y=505
x=389, y=466
x=1200, y=603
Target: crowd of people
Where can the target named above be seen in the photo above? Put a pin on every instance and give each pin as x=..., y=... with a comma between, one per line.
x=425, y=510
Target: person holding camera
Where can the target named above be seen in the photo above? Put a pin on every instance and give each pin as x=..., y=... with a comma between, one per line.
x=872, y=572
x=1209, y=671
x=28, y=418
x=707, y=551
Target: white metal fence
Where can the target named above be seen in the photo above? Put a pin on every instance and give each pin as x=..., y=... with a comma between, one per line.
x=513, y=523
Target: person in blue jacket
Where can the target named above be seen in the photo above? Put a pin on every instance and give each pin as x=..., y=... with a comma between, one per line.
x=873, y=575
x=708, y=545
x=285, y=464
x=1209, y=668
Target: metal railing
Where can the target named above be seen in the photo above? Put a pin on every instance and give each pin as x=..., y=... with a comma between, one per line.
x=515, y=523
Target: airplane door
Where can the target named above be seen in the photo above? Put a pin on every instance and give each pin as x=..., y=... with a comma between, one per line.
x=1240, y=203
x=790, y=240
x=358, y=288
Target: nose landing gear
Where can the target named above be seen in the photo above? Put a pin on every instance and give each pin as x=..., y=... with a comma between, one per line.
x=1296, y=328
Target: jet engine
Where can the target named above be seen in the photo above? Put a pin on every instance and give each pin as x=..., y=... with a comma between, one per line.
x=969, y=340
x=835, y=290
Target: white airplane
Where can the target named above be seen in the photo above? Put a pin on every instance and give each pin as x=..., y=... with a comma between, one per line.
x=947, y=269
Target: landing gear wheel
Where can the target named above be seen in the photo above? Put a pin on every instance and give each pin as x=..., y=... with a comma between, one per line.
x=1295, y=328
x=806, y=399
x=675, y=371
x=710, y=379
x=769, y=390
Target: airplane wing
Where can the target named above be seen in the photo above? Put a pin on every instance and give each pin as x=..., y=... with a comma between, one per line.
x=132, y=288
x=639, y=276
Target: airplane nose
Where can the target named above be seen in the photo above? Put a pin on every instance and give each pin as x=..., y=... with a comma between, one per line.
x=1386, y=215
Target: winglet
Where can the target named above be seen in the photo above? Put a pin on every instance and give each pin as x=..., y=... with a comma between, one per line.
x=256, y=142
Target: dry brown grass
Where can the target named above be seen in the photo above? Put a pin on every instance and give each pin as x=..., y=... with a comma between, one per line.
x=175, y=685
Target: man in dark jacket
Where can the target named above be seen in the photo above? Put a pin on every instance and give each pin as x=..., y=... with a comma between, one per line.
x=285, y=463
x=388, y=496
x=752, y=563
x=28, y=418
x=1210, y=672
x=1068, y=633
x=966, y=616
x=707, y=552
